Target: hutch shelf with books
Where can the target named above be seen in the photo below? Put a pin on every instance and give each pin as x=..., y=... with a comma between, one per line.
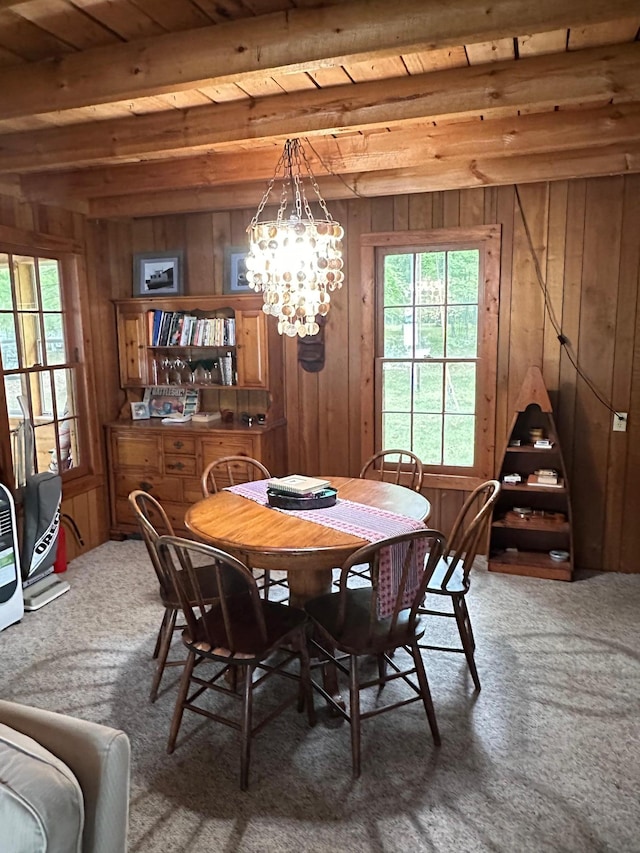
x=531, y=529
x=221, y=347
x=203, y=335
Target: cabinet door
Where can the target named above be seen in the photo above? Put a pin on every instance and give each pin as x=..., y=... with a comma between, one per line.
x=251, y=349
x=132, y=349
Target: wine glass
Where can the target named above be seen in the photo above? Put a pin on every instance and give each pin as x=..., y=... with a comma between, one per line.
x=163, y=375
x=207, y=364
x=192, y=364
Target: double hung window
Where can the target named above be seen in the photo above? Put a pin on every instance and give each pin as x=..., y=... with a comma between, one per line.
x=42, y=373
x=435, y=347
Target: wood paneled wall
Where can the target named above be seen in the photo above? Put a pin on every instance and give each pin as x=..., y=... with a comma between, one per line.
x=586, y=235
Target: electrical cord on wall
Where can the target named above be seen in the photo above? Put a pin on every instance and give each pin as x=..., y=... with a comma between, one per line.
x=329, y=171
x=564, y=340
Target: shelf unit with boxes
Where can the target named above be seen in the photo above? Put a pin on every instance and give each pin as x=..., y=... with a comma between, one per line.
x=168, y=460
x=531, y=529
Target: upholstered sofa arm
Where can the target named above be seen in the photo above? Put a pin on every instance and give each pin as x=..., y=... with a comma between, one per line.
x=100, y=759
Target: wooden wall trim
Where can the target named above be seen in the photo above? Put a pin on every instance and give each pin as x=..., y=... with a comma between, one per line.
x=438, y=236
x=29, y=241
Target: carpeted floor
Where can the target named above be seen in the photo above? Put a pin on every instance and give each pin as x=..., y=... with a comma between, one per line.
x=545, y=758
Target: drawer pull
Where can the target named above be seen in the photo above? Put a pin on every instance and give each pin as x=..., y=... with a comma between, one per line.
x=178, y=444
x=177, y=465
x=146, y=487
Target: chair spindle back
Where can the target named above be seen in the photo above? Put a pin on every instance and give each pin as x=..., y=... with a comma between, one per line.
x=469, y=528
x=231, y=471
x=432, y=542
x=153, y=522
x=392, y=466
x=237, y=590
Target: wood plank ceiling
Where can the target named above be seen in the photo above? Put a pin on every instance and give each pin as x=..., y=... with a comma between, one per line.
x=136, y=107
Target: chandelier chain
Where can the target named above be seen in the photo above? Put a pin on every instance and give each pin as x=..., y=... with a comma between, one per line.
x=263, y=201
x=314, y=184
x=284, y=199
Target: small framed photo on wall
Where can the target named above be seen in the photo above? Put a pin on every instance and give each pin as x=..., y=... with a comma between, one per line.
x=235, y=272
x=139, y=411
x=158, y=273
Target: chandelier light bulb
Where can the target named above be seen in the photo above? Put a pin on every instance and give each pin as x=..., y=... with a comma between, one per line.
x=295, y=259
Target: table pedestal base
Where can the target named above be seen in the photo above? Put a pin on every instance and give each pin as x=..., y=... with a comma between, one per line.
x=303, y=586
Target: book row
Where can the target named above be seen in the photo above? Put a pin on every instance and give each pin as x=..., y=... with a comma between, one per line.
x=178, y=329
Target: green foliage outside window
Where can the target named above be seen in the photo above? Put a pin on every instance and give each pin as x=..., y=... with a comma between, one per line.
x=430, y=341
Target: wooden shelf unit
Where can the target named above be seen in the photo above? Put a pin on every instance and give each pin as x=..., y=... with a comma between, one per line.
x=166, y=460
x=257, y=353
x=521, y=545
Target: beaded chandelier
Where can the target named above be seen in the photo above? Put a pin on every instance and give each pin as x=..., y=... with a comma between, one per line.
x=295, y=259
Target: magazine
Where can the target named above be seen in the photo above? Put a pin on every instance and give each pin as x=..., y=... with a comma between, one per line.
x=165, y=401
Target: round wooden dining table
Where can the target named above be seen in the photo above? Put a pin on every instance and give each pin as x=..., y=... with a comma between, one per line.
x=269, y=539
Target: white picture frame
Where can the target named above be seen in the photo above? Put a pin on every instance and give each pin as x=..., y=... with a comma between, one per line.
x=139, y=411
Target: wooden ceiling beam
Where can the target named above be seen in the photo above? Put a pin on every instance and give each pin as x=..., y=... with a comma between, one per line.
x=295, y=40
x=430, y=177
x=513, y=136
x=595, y=75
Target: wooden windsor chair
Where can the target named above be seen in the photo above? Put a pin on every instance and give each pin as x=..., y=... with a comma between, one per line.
x=401, y=467
x=348, y=626
x=240, y=632
x=153, y=523
x=451, y=579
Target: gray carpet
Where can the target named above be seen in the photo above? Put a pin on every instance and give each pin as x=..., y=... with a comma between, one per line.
x=545, y=758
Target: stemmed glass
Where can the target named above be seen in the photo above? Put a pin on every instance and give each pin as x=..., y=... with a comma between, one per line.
x=207, y=364
x=163, y=373
x=192, y=364
x=181, y=368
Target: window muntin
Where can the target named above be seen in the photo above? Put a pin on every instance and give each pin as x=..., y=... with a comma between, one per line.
x=35, y=346
x=428, y=353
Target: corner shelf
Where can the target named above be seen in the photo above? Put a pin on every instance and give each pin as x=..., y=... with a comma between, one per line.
x=523, y=487
x=521, y=546
x=530, y=564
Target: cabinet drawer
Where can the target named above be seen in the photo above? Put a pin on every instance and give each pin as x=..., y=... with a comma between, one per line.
x=179, y=444
x=232, y=445
x=163, y=489
x=175, y=511
x=174, y=464
x=137, y=451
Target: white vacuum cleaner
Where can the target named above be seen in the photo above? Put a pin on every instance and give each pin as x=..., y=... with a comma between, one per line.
x=11, y=603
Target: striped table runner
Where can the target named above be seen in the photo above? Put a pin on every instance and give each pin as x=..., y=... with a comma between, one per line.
x=365, y=522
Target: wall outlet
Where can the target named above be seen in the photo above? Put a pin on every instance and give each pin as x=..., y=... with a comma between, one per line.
x=620, y=421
